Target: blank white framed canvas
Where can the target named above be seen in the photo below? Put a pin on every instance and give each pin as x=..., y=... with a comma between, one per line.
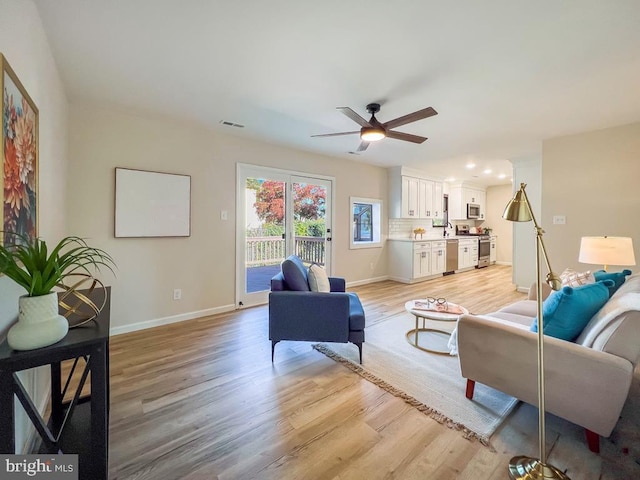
x=152, y=204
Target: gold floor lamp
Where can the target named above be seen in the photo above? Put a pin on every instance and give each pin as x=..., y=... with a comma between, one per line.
x=522, y=467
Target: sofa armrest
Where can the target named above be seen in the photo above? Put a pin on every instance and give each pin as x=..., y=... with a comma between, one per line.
x=310, y=316
x=337, y=284
x=585, y=386
x=533, y=291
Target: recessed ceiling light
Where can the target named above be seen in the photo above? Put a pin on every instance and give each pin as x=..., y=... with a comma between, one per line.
x=487, y=171
x=501, y=176
x=471, y=165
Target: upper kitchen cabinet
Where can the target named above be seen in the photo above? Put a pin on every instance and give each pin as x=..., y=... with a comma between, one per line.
x=413, y=195
x=461, y=195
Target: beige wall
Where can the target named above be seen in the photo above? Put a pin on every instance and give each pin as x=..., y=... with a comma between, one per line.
x=592, y=178
x=203, y=265
x=497, y=198
x=24, y=45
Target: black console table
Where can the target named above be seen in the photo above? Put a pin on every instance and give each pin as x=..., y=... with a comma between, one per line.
x=80, y=425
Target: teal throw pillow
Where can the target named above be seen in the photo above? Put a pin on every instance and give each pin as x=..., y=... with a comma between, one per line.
x=567, y=311
x=617, y=277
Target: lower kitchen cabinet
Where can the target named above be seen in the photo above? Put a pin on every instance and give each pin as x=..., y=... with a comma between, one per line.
x=493, y=253
x=438, y=257
x=414, y=261
x=467, y=253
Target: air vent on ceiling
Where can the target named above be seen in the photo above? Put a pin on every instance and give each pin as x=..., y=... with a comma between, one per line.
x=231, y=124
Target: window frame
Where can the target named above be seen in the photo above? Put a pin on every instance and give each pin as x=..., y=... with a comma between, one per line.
x=376, y=223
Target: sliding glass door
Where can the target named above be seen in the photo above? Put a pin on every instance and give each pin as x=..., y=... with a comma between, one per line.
x=279, y=213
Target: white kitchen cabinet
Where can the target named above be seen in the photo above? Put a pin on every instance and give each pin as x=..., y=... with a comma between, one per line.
x=410, y=203
x=460, y=195
x=467, y=253
x=493, y=253
x=413, y=196
x=438, y=257
x=438, y=200
x=421, y=259
x=415, y=261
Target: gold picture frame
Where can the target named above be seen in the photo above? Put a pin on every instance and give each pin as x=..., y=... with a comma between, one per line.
x=20, y=157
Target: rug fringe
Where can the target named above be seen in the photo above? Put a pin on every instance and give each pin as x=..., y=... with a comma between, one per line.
x=427, y=410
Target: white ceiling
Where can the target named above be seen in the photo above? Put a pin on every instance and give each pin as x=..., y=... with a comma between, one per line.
x=503, y=74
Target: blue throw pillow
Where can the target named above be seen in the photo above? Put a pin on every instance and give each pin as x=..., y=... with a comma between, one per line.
x=295, y=275
x=567, y=311
x=617, y=277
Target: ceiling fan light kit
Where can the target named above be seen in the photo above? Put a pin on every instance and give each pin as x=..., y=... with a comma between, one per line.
x=373, y=130
x=372, y=134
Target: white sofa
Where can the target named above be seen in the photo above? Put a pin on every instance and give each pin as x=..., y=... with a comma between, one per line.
x=586, y=381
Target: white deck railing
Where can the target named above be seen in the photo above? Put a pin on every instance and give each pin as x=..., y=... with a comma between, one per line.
x=271, y=250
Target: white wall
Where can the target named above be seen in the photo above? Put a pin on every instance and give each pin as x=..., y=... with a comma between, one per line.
x=528, y=171
x=25, y=47
x=203, y=265
x=592, y=179
x=497, y=198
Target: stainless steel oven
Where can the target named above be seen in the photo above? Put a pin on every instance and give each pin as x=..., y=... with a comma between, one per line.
x=484, y=250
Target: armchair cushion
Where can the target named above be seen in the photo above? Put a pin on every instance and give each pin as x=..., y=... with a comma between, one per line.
x=295, y=275
x=567, y=312
x=318, y=279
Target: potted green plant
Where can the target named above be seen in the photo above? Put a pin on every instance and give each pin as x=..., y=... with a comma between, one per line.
x=33, y=266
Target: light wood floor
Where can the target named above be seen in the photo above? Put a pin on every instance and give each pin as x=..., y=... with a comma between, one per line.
x=201, y=400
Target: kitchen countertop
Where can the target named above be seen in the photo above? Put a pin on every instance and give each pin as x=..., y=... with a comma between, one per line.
x=430, y=239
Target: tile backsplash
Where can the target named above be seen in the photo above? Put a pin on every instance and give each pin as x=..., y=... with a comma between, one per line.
x=403, y=227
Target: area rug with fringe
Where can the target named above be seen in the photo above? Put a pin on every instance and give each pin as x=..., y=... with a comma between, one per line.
x=430, y=382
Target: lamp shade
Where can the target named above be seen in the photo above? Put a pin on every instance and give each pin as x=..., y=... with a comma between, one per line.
x=518, y=210
x=607, y=251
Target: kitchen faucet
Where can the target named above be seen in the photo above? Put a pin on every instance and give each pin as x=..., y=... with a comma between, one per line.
x=444, y=230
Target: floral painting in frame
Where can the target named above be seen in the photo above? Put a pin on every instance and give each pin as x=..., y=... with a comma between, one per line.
x=19, y=155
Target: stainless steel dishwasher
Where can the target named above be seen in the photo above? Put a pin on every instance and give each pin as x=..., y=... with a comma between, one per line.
x=452, y=256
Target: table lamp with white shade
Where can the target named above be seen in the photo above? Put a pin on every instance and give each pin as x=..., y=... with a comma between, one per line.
x=607, y=251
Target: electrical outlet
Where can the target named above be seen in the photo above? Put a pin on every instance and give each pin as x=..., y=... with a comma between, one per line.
x=177, y=294
x=371, y=265
x=559, y=220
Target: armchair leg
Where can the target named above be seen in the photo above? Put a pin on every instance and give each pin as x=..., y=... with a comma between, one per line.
x=593, y=441
x=273, y=349
x=471, y=385
x=359, y=344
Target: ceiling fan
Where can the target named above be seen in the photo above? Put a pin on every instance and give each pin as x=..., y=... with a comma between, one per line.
x=373, y=130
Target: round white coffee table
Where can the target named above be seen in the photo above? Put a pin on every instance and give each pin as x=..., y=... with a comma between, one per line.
x=442, y=316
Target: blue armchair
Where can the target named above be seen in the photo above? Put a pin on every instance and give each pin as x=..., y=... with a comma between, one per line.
x=296, y=313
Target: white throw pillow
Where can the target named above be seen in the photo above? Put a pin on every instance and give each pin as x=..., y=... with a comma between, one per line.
x=571, y=278
x=318, y=279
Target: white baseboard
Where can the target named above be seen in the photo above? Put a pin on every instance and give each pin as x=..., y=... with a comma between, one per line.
x=133, y=327
x=366, y=281
x=510, y=264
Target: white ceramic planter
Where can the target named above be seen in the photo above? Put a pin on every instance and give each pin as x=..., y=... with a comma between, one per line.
x=39, y=324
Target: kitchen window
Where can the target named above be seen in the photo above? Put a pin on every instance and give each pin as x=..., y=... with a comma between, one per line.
x=366, y=218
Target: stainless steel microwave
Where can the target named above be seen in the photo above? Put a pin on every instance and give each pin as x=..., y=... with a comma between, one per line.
x=473, y=210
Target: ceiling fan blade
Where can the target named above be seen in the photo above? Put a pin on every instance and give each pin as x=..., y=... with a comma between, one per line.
x=363, y=146
x=336, y=134
x=407, y=137
x=411, y=117
x=354, y=116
